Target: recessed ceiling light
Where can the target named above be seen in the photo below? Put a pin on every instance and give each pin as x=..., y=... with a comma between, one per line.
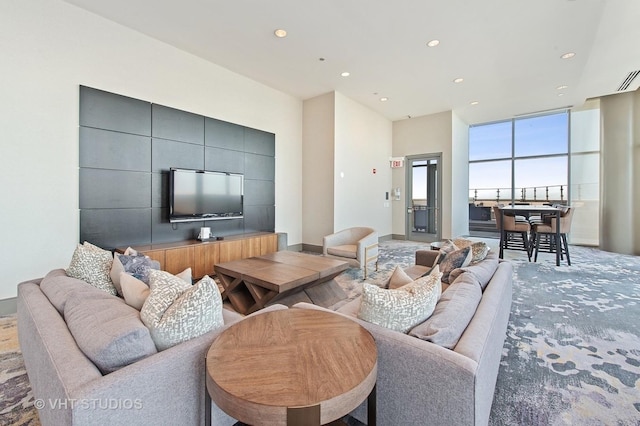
x=345, y=74
x=384, y=99
x=568, y=55
x=433, y=43
x=560, y=94
x=458, y=80
x=474, y=103
x=280, y=33
x=562, y=87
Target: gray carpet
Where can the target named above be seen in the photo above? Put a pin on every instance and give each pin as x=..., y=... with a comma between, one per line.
x=572, y=354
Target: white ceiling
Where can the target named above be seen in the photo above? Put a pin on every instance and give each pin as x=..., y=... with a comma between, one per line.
x=507, y=51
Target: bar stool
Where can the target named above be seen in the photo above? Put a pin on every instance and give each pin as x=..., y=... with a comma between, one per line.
x=515, y=232
x=543, y=235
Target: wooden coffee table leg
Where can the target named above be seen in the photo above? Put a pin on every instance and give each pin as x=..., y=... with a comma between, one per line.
x=207, y=406
x=371, y=407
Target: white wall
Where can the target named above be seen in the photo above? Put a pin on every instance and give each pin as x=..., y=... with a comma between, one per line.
x=362, y=144
x=318, y=168
x=429, y=134
x=48, y=49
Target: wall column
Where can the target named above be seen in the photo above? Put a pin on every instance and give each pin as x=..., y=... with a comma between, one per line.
x=620, y=173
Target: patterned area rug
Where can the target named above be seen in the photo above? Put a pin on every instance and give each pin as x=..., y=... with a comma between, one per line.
x=572, y=354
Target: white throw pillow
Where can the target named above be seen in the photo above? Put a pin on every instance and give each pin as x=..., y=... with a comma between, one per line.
x=403, y=308
x=92, y=265
x=135, y=291
x=176, y=311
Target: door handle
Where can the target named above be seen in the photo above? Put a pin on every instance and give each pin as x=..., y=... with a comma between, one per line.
x=409, y=210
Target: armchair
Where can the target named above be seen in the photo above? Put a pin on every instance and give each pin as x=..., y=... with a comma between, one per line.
x=358, y=246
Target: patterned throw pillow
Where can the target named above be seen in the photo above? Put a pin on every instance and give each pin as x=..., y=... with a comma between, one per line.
x=403, y=308
x=455, y=259
x=479, y=249
x=176, y=312
x=92, y=265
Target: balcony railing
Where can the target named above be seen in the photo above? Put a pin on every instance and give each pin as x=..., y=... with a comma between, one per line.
x=546, y=194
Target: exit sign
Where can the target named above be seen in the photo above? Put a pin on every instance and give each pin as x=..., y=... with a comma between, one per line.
x=396, y=162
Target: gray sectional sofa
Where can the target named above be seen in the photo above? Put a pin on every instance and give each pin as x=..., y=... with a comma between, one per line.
x=166, y=387
x=424, y=383
x=446, y=376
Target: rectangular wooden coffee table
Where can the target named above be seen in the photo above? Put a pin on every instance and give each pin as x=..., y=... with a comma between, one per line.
x=249, y=284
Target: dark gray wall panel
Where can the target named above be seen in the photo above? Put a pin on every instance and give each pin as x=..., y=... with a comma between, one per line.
x=223, y=160
x=259, y=142
x=124, y=180
x=111, y=228
x=163, y=232
x=222, y=228
x=113, y=189
x=177, y=125
x=259, y=192
x=221, y=134
x=160, y=190
x=109, y=111
x=105, y=149
x=259, y=167
x=166, y=154
x=259, y=218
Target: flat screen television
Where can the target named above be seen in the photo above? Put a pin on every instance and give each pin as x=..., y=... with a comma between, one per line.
x=204, y=195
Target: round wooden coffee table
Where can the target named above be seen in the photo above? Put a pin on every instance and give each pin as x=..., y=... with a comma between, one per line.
x=292, y=367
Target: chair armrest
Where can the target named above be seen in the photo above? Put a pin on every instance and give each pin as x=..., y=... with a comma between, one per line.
x=370, y=243
x=426, y=257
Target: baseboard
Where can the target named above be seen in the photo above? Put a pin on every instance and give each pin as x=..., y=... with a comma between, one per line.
x=398, y=237
x=388, y=237
x=8, y=306
x=296, y=247
x=311, y=248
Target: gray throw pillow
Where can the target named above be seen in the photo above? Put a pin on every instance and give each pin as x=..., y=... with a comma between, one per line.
x=452, y=314
x=483, y=271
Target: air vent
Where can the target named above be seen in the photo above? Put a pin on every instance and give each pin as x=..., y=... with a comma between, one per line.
x=627, y=81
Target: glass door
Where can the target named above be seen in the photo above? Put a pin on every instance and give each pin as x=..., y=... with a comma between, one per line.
x=423, y=198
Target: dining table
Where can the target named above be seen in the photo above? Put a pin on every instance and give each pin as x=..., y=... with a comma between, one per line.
x=522, y=209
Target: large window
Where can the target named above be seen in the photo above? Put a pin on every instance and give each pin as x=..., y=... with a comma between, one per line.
x=527, y=160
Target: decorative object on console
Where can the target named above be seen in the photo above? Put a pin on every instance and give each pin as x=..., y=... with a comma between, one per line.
x=93, y=265
x=175, y=311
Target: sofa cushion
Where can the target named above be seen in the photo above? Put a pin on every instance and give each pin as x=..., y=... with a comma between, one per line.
x=452, y=260
x=57, y=286
x=107, y=331
x=176, y=311
x=483, y=271
x=452, y=314
x=92, y=265
x=348, y=250
x=400, y=309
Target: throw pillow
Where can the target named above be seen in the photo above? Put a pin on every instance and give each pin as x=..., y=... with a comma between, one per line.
x=445, y=248
x=92, y=265
x=483, y=271
x=399, y=278
x=403, y=308
x=479, y=249
x=176, y=311
x=137, y=265
x=452, y=314
x=136, y=292
x=455, y=259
